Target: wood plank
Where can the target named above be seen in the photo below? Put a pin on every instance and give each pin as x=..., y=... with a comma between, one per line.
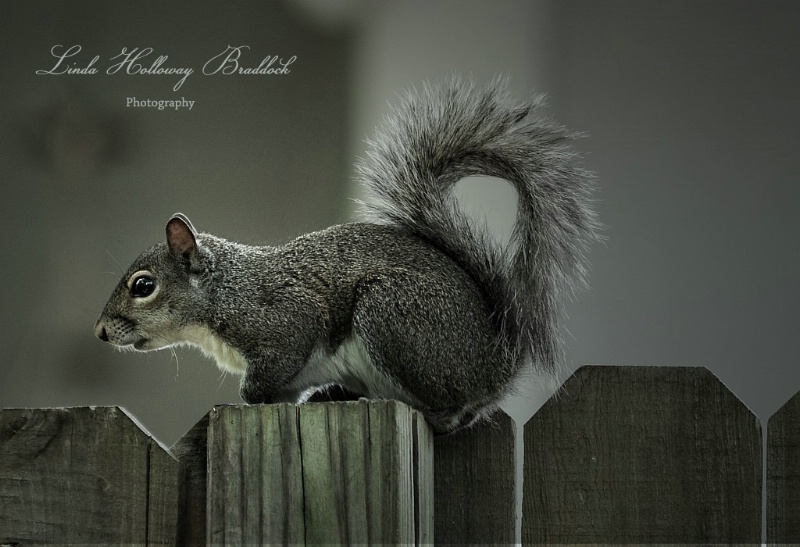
x=475, y=478
x=342, y=472
x=423, y=476
x=358, y=474
x=783, y=474
x=642, y=455
x=255, y=492
x=191, y=450
x=67, y=473
x=163, y=495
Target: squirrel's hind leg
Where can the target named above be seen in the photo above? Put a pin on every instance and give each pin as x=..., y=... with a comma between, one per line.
x=433, y=337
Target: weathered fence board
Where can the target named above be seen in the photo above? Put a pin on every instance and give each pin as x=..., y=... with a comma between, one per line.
x=642, y=455
x=255, y=490
x=307, y=474
x=622, y=455
x=783, y=474
x=475, y=485
x=84, y=475
x=192, y=451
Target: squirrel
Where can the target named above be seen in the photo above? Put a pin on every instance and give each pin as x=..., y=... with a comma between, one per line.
x=418, y=303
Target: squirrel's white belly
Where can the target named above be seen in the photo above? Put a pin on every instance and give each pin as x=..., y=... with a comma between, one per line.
x=350, y=366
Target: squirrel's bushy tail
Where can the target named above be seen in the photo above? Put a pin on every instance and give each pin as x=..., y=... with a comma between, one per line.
x=436, y=137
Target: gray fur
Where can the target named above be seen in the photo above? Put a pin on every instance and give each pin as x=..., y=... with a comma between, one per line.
x=419, y=305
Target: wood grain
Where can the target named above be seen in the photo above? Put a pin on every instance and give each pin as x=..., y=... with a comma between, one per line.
x=783, y=474
x=642, y=455
x=475, y=478
x=84, y=475
x=192, y=452
x=254, y=475
x=346, y=472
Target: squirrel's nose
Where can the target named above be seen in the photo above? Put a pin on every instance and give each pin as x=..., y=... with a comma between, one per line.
x=100, y=332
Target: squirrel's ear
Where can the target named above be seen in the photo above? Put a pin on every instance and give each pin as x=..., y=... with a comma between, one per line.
x=181, y=236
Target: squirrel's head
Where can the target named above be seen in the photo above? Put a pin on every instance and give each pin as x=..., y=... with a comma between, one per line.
x=161, y=293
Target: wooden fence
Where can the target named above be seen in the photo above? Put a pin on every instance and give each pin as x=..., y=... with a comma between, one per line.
x=621, y=455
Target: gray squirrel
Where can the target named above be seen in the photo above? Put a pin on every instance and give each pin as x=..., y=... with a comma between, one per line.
x=419, y=304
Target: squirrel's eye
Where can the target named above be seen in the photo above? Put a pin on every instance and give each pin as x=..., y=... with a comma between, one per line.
x=143, y=286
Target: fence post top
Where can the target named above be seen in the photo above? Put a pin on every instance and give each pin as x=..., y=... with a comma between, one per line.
x=59, y=415
x=657, y=379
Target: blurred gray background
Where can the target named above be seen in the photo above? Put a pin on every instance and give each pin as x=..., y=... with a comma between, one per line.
x=692, y=114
